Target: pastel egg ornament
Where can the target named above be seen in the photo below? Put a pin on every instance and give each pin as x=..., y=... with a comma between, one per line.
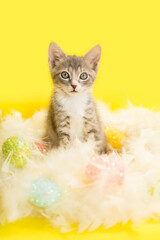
x=16, y=151
x=114, y=136
x=44, y=193
x=41, y=147
x=110, y=166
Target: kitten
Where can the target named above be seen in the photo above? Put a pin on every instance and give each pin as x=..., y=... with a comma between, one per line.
x=72, y=112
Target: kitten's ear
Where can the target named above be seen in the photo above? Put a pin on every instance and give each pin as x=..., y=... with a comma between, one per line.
x=93, y=56
x=55, y=54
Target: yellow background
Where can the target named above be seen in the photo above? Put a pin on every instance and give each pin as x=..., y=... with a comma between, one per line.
x=129, y=33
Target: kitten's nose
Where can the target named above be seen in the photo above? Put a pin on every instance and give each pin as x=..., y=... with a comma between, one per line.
x=74, y=86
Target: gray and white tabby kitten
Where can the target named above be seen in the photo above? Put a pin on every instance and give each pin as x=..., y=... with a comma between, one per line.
x=72, y=112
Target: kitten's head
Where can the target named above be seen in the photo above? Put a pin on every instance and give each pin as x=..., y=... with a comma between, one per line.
x=73, y=74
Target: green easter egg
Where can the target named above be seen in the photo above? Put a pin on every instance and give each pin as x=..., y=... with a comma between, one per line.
x=18, y=149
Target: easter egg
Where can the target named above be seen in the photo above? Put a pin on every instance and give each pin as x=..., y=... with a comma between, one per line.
x=114, y=136
x=111, y=166
x=16, y=150
x=43, y=193
x=41, y=147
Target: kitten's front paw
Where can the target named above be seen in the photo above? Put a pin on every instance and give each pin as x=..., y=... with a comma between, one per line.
x=65, y=140
x=101, y=149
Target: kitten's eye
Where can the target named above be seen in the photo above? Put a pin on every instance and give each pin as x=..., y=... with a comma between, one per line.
x=65, y=75
x=84, y=76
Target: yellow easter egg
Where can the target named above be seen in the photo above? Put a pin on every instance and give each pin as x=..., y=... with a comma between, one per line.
x=114, y=136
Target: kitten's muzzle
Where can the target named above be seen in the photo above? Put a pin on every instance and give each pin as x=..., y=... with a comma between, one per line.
x=74, y=91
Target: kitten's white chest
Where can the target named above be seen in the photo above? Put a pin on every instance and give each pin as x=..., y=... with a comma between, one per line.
x=75, y=108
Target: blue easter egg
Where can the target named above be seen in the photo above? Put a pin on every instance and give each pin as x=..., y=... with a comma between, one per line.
x=44, y=193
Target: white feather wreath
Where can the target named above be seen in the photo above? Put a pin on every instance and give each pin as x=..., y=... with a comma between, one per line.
x=82, y=204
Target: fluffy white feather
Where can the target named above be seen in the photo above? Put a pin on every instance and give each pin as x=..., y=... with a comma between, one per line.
x=87, y=205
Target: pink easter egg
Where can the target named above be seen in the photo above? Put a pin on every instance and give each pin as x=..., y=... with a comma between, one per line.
x=41, y=147
x=110, y=167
